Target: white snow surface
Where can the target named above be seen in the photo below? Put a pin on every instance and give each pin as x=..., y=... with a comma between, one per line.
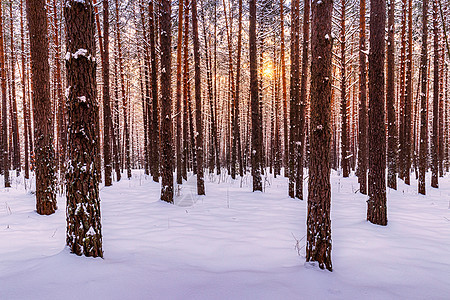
x=229, y=244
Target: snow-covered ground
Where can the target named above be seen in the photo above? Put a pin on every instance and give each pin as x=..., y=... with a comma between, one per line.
x=230, y=244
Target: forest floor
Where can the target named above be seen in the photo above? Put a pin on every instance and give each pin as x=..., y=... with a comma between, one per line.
x=229, y=244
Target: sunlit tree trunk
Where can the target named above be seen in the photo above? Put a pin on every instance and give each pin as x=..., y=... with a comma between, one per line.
x=14, y=119
x=24, y=93
x=5, y=130
x=124, y=95
x=344, y=117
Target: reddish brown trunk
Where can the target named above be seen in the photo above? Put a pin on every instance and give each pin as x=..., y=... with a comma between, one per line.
x=376, y=205
x=198, y=102
x=318, y=245
x=423, y=101
x=43, y=129
x=362, y=134
x=435, y=129
x=390, y=100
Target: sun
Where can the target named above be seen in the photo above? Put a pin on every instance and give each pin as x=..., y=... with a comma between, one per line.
x=268, y=71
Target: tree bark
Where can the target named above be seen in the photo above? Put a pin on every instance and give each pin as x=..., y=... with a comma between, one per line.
x=107, y=118
x=124, y=97
x=435, y=129
x=84, y=235
x=362, y=133
x=423, y=146
x=376, y=205
x=6, y=160
x=344, y=118
x=24, y=94
x=198, y=102
x=318, y=245
x=254, y=96
x=178, y=94
x=294, y=95
x=390, y=100
x=43, y=129
x=166, y=103
x=14, y=120
x=303, y=99
x=154, y=86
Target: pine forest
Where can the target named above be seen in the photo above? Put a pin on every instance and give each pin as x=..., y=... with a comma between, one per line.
x=224, y=149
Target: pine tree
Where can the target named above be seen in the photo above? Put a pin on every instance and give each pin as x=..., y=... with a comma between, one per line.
x=166, y=103
x=4, y=127
x=84, y=232
x=362, y=134
x=107, y=117
x=376, y=205
x=43, y=129
x=423, y=146
x=303, y=99
x=254, y=96
x=390, y=99
x=318, y=245
x=435, y=129
x=198, y=102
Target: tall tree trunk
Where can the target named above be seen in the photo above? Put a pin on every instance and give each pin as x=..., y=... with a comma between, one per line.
x=6, y=161
x=43, y=129
x=303, y=99
x=166, y=103
x=236, y=120
x=116, y=125
x=294, y=95
x=284, y=91
x=14, y=121
x=344, y=118
x=318, y=244
x=61, y=101
x=154, y=86
x=84, y=230
x=186, y=103
x=390, y=100
x=423, y=101
x=124, y=96
x=402, y=155
x=107, y=117
x=408, y=98
x=362, y=133
x=254, y=95
x=376, y=205
x=435, y=129
x=24, y=93
x=198, y=102
x=178, y=100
